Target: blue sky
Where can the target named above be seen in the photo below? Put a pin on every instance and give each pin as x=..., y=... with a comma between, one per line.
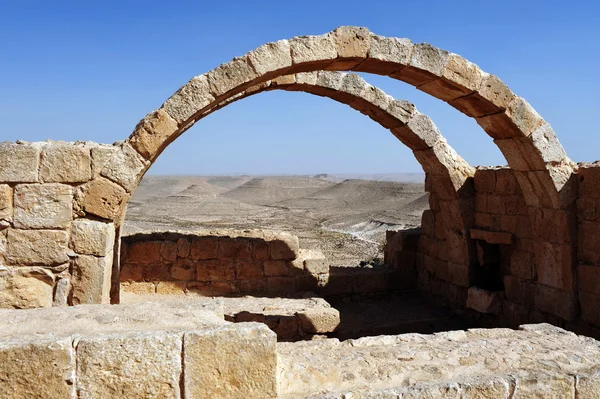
x=89, y=70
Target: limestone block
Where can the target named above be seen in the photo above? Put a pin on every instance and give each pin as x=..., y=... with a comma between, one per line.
x=6, y=202
x=91, y=279
x=271, y=57
x=183, y=248
x=524, y=116
x=144, y=252
x=425, y=131
x=492, y=237
x=234, y=361
x=544, y=386
x=215, y=270
x=101, y=156
x=138, y=288
x=463, y=72
x=43, y=206
x=25, y=288
x=275, y=268
x=284, y=247
x=152, y=134
x=427, y=63
x=236, y=74
x=386, y=55
x=485, y=301
x=442, y=391
x=133, y=365
x=522, y=265
x=168, y=250
x=556, y=302
x=352, y=46
x=499, y=126
x=234, y=248
x=260, y=249
x=486, y=388
x=20, y=163
x=205, y=248
x=312, y=50
x=104, y=198
x=254, y=286
x=547, y=144
x=90, y=237
x=62, y=291
x=587, y=387
x=319, y=320
x=65, y=163
x=314, y=261
x=248, y=269
x=183, y=269
x=171, y=287
x=125, y=167
x=37, y=247
x=37, y=368
x=496, y=92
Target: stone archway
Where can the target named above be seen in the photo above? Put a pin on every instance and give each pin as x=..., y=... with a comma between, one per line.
x=449, y=177
x=543, y=170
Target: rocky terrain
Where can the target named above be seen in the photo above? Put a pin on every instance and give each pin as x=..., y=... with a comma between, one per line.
x=346, y=216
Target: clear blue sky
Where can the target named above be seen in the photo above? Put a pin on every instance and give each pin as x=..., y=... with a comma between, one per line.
x=89, y=70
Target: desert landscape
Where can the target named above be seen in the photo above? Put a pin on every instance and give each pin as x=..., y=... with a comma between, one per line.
x=345, y=216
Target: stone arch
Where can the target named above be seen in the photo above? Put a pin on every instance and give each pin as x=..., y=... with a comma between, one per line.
x=449, y=177
x=542, y=168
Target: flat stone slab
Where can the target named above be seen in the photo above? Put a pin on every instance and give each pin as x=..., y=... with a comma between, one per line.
x=537, y=358
x=173, y=315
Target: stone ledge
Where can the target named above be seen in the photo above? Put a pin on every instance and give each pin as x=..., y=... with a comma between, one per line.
x=492, y=237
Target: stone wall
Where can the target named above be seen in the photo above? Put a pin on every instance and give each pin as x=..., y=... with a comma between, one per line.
x=502, y=285
x=250, y=262
x=55, y=247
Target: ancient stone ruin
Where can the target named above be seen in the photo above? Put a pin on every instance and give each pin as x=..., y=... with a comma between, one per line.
x=503, y=246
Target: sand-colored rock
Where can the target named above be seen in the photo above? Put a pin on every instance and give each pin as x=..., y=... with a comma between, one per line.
x=231, y=362
x=91, y=279
x=43, y=206
x=133, y=365
x=104, y=198
x=36, y=368
x=20, y=163
x=26, y=287
x=91, y=237
x=37, y=247
x=65, y=163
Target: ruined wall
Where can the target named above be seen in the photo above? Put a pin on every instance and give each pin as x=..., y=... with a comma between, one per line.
x=502, y=285
x=250, y=262
x=54, y=247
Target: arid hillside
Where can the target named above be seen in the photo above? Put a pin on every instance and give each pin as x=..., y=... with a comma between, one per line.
x=346, y=219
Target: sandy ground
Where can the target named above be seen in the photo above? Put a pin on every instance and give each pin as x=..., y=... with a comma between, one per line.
x=346, y=219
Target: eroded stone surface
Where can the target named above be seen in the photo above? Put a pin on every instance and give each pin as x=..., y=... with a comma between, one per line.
x=43, y=206
x=37, y=247
x=90, y=237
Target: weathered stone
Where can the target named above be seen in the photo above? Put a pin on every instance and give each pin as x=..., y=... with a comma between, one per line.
x=90, y=237
x=320, y=320
x=557, y=302
x=231, y=362
x=386, y=55
x=20, y=163
x=233, y=248
x=281, y=285
x=43, y=206
x=271, y=57
x=204, y=248
x=492, y=388
x=215, y=270
x=485, y=301
x=284, y=247
x=144, y=252
x=544, y=386
x=40, y=367
x=104, y=198
x=314, y=261
x=153, y=133
x=125, y=168
x=248, y=269
x=183, y=269
x=135, y=365
x=24, y=288
x=590, y=303
x=37, y=247
x=91, y=279
x=65, y=163
x=427, y=63
x=275, y=268
x=168, y=250
x=352, y=45
x=101, y=156
x=6, y=202
x=492, y=237
x=234, y=75
x=312, y=50
x=587, y=387
x=62, y=292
